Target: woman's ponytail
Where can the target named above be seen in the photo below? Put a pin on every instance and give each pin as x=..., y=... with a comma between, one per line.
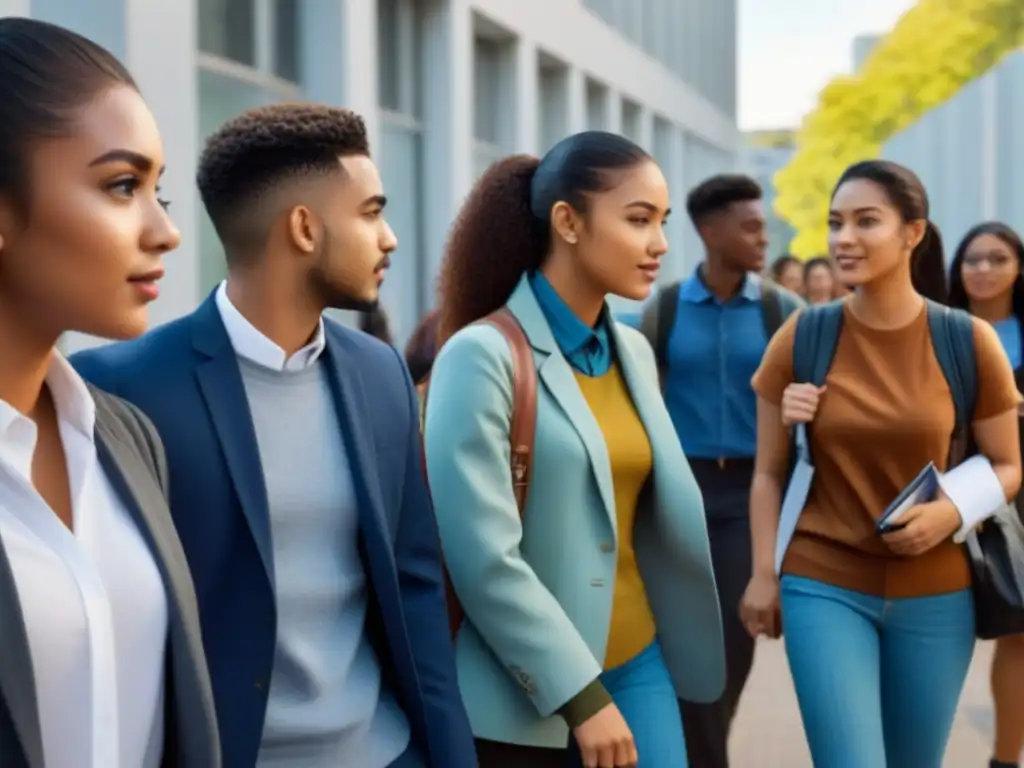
x=928, y=266
x=494, y=241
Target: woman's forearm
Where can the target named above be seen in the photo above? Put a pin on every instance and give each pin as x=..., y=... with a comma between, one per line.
x=765, y=503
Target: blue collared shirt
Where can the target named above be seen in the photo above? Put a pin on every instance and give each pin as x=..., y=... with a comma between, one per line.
x=714, y=349
x=1008, y=330
x=587, y=349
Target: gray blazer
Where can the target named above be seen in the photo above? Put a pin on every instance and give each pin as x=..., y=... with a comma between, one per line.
x=132, y=455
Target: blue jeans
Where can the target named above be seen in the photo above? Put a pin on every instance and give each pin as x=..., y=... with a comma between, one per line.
x=877, y=680
x=643, y=691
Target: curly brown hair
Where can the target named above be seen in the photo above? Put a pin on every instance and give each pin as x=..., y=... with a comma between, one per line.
x=261, y=147
x=494, y=240
x=503, y=229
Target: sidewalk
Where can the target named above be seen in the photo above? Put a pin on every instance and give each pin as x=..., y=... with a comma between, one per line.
x=768, y=734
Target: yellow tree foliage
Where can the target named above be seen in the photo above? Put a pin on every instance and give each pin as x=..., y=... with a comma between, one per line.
x=933, y=51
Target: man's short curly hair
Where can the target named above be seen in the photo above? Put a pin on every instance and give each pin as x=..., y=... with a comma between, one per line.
x=255, y=151
x=717, y=193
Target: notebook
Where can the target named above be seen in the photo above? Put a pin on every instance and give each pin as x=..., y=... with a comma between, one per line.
x=921, y=490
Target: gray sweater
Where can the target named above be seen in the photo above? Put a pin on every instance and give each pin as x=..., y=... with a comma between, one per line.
x=327, y=706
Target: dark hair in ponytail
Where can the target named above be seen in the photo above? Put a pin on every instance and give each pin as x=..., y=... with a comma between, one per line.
x=906, y=192
x=46, y=74
x=503, y=228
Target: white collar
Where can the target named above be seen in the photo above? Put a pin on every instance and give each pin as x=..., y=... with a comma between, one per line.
x=251, y=344
x=73, y=402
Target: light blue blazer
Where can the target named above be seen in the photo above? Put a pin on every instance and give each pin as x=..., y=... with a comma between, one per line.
x=538, y=595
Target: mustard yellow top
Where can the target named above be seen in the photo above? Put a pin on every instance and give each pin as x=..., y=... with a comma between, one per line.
x=629, y=450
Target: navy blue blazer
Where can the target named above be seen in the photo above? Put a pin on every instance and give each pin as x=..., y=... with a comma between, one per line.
x=185, y=377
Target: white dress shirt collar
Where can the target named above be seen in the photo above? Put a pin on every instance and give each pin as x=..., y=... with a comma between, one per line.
x=251, y=344
x=75, y=408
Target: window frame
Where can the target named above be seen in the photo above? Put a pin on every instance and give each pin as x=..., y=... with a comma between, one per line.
x=262, y=73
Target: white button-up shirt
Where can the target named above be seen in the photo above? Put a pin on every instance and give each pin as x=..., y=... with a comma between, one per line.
x=249, y=342
x=93, y=600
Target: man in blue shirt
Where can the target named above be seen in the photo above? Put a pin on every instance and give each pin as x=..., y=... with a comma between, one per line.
x=709, y=334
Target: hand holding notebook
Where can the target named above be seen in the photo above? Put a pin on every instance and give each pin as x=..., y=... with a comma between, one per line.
x=921, y=517
x=921, y=490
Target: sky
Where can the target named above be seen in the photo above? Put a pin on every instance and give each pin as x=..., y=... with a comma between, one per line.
x=790, y=49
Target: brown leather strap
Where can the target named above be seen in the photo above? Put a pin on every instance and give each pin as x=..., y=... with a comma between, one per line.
x=523, y=426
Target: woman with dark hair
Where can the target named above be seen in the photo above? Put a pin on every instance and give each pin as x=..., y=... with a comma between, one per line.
x=376, y=323
x=820, y=283
x=101, y=659
x=986, y=280
x=421, y=349
x=879, y=623
x=787, y=272
x=590, y=614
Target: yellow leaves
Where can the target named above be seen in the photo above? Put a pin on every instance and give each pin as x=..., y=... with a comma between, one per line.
x=935, y=49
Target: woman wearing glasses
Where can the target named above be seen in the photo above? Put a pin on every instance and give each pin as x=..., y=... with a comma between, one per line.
x=986, y=281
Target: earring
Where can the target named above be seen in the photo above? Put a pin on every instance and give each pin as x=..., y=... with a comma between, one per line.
x=570, y=239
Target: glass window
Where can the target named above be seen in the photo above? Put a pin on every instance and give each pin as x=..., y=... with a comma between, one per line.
x=553, y=115
x=287, y=40
x=401, y=175
x=227, y=28
x=487, y=88
x=631, y=121
x=220, y=99
x=388, y=55
x=597, y=112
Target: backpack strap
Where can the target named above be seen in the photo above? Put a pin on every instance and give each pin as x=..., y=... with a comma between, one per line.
x=523, y=419
x=815, y=342
x=952, y=333
x=656, y=324
x=771, y=308
x=523, y=425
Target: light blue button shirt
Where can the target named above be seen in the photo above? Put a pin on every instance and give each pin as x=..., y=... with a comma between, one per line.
x=588, y=350
x=714, y=348
x=1008, y=330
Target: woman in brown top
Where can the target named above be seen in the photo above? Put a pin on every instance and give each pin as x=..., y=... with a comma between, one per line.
x=986, y=280
x=879, y=629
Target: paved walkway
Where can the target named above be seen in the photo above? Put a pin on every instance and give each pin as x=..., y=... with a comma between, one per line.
x=768, y=734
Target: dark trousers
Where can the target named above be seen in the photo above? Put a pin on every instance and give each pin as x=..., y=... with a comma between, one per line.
x=493, y=754
x=726, y=491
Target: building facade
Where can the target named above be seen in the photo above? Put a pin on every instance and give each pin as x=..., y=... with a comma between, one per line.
x=446, y=86
x=968, y=151
x=764, y=154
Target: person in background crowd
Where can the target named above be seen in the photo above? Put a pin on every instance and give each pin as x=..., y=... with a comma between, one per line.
x=788, y=272
x=101, y=657
x=421, y=349
x=596, y=608
x=879, y=627
x=820, y=283
x=709, y=333
x=375, y=322
x=296, y=475
x=986, y=280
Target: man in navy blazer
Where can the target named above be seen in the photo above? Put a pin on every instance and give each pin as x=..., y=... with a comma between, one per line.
x=293, y=449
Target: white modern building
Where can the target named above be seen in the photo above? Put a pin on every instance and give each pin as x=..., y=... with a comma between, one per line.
x=764, y=154
x=969, y=152
x=446, y=87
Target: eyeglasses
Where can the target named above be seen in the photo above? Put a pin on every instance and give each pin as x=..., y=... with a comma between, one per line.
x=993, y=260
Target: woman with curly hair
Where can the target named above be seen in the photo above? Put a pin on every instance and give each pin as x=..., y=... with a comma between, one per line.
x=589, y=615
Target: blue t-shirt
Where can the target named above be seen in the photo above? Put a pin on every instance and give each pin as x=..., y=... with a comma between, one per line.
x=1008, y=330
